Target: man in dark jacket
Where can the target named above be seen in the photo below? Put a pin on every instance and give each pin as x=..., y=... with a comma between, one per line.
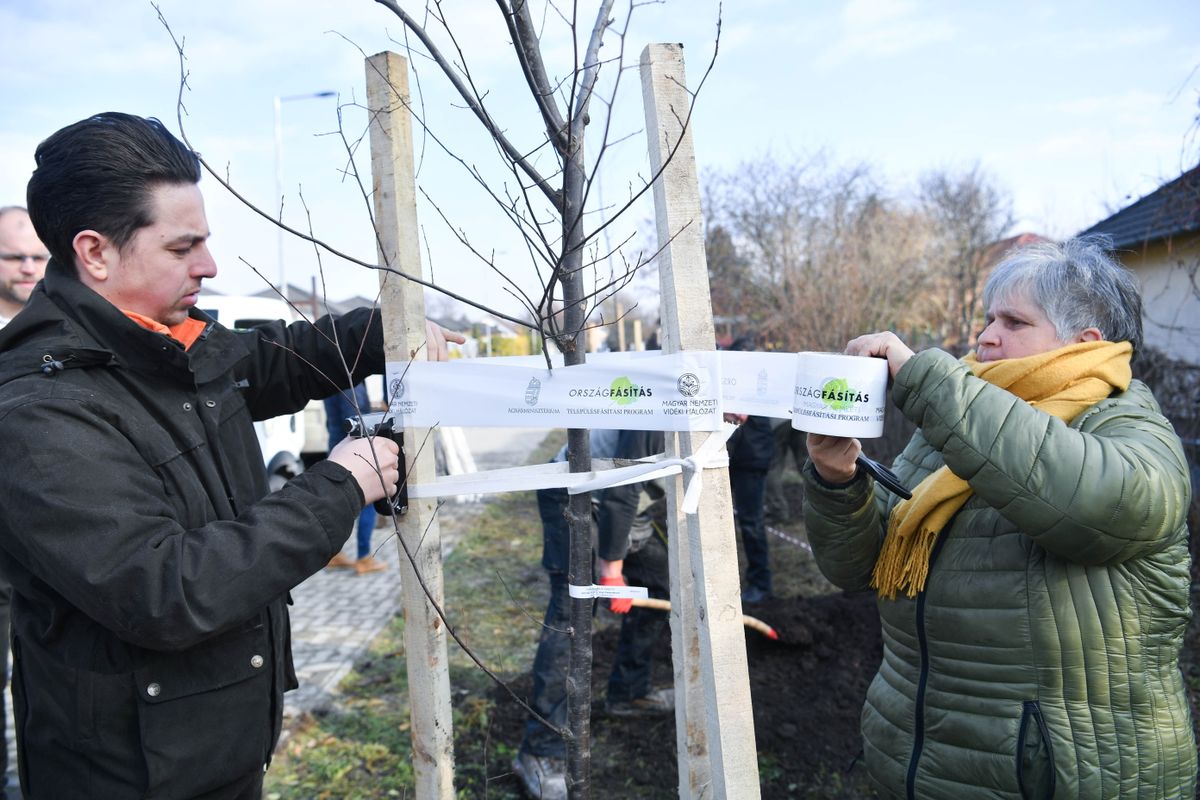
x=150, y=567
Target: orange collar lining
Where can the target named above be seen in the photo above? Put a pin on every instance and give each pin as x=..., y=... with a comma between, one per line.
x=186, y=332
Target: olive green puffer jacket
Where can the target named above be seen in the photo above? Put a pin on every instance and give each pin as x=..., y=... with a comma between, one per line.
x=1041, y=660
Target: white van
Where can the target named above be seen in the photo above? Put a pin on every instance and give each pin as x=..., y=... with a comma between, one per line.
x=286, y=441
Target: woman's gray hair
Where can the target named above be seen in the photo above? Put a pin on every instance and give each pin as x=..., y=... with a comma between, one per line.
x=1077, y=284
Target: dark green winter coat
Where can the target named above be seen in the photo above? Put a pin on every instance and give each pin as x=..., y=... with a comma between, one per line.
x=1041, y=660
x=150, y=567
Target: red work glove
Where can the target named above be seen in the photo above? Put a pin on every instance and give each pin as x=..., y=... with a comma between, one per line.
x=618, y=605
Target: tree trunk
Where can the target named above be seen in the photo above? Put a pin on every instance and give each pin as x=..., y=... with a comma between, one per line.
x=579, y=514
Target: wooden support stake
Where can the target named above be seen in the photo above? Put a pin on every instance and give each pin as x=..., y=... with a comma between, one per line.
x=713, y=715
x=402, y=304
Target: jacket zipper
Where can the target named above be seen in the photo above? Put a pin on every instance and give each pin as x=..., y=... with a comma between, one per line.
x=923, y=649
x=923, y=679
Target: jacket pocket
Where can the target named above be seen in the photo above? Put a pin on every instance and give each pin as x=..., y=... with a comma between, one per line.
x=205, y=706
x=77, y=729
x=1035, y=754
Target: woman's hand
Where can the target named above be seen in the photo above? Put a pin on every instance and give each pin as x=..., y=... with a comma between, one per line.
x=881, y=345
x=833, y=457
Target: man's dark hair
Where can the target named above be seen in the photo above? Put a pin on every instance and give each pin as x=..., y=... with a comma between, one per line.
x=98, y=175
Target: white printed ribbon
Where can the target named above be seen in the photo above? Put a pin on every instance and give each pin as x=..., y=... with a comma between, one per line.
x=593, y=592
x=750, y=383
x=678, y=392
x=757, y=383
x=710, y=455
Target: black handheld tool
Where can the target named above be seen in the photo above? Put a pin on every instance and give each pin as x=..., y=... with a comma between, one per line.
x=884, y=475
x=380, y=424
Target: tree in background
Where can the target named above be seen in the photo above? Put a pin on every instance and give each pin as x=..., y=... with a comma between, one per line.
x=736, y=297
x=812, y=254
x=967, y=215
x=807, y=252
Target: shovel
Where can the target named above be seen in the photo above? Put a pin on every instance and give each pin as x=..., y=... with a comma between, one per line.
x=750, y=622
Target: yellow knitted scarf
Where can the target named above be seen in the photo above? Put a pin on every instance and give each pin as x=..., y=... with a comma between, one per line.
x=1062, y=383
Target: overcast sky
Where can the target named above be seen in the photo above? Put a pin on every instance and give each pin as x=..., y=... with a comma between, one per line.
x=1075, y=108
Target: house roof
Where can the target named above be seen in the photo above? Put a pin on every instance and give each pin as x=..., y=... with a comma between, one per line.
x=998, y=249
x=303, y=298
x=1170, y=210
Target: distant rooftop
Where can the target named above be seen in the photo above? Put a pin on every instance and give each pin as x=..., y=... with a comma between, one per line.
x=997, y=250
x=302, y=299
x=1170, y=210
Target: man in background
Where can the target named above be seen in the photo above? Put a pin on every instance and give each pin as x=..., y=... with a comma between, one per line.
x=23, y=260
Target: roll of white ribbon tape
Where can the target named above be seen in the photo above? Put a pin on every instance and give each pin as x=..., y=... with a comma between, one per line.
x=840, y=395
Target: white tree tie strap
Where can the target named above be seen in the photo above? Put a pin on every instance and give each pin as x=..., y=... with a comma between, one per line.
x=710, y=455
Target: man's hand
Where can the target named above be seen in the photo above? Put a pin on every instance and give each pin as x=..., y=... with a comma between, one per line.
x=881, y=345
x=436, y=338
x=611, y=575
x=360, y=455
x=833, y=457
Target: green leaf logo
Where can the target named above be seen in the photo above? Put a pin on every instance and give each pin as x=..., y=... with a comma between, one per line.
x=623, y=391
x=835, y=393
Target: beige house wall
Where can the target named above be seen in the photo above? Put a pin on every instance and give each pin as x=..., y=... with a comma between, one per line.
x=1170, y=277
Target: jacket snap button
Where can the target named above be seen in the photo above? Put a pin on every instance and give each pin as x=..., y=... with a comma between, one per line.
x=154, y=690
x=210, y=403
x=256, y=661
x=187, y=406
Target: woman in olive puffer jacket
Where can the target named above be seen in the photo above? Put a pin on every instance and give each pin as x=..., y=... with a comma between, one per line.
x=1034, y=591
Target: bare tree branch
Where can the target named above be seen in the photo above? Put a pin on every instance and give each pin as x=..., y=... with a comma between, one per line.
x=529, y=54
x=472, y=102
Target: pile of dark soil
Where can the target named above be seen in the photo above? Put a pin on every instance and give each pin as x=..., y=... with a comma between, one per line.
x=808, y=689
